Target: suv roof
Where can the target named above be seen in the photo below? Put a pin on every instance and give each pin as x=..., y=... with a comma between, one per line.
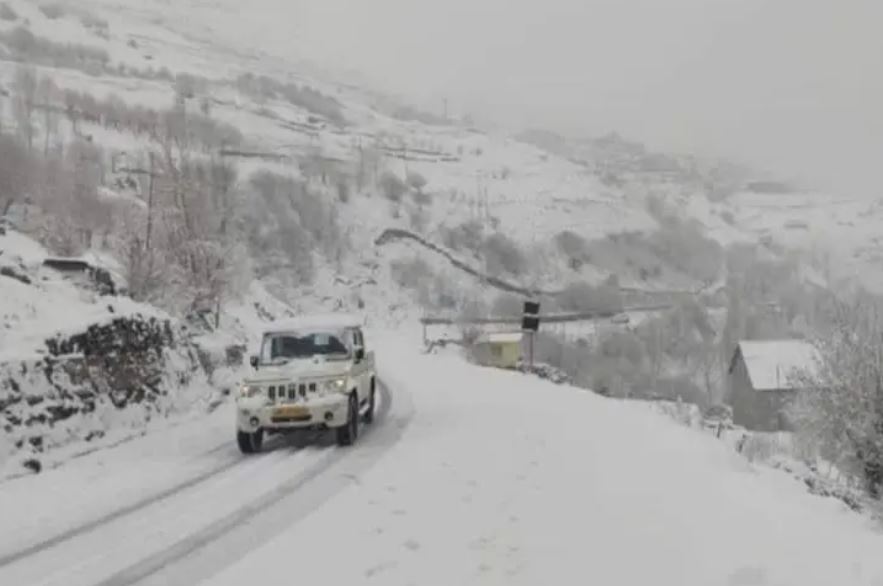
x=334, y=321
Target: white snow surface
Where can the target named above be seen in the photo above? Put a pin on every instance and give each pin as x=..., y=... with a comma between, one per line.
x=52, y=304
x=772, y=364
x=491, y=477
x=503, y=479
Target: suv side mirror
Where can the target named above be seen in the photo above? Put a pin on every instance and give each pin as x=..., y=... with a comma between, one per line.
x=360, y=354
x=253, y=360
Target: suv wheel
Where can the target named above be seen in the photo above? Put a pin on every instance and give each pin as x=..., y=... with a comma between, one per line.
x=250, y=443
x=347, y=434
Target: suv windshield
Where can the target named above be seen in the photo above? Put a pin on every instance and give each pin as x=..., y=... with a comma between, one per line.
x=284, y=347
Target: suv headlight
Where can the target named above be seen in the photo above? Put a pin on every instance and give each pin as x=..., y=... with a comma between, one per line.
x=249, y=390
x=335, y=384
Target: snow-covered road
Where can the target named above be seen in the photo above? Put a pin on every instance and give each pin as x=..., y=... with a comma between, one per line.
x=473, y=476
x=131, y=513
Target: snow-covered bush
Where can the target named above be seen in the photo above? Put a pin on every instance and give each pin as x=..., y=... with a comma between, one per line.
x=7, y=13
x=841, y=410
x=418, y=218
x=416, y=181
x=583, y=297
x=312, y=100
x=412, y=273
x=29, y=48
x=467, y=236
x=53, y=11
x=392, y=186
x=290, y=221
x=502, y=255
x=573, y=246
x=507, y=305
x=16, y=172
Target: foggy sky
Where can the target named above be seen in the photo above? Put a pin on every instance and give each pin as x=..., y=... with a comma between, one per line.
x=795, y=86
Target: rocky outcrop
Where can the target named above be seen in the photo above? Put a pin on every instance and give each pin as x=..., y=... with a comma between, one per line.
x=119, y=373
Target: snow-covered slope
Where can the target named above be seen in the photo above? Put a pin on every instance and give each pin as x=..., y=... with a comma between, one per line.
x=530, y=190
x=528, y=193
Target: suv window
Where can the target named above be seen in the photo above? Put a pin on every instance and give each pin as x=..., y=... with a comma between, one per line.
x=283, y=347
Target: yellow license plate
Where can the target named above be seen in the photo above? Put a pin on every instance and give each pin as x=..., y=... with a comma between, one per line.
x=291, y=411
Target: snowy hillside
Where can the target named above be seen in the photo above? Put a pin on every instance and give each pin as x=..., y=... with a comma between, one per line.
x=228, y=186
x=141, y=103
x=329, y=132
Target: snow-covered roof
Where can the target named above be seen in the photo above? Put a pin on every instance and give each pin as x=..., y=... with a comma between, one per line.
x=501, y=337
x=331, y=321
x=772, y=363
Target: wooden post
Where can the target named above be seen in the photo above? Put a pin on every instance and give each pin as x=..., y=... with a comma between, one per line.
x=530, y=336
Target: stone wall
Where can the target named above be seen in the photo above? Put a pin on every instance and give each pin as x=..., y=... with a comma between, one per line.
x=115, y=374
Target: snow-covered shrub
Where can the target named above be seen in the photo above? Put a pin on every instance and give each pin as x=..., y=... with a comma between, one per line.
x=411, y=114
x=583, y=297
x=467, y=236
x=315, y=102
x=502, y=255
x=29, y=48
x=312, y=100
x=840, y=411
x=415, y=181
x=52, y=11
x=573, y=246
x=93, y=22
x=412, y=273
x=16, y=172
x=507, y=305
x=421, y=198
x=392, y=186
x=7, y=13
x=418, y=218
x=343, y=190
x=683, y=245
x=290, y=220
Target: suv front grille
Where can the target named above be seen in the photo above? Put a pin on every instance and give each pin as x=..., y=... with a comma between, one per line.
x=290, y=392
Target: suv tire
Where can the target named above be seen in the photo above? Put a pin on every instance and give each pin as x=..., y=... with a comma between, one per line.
x=347, y=434
x=250, y=443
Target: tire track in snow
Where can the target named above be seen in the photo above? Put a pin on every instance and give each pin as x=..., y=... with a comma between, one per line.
x=184, y=548
x=158, y=497
x=79, y=530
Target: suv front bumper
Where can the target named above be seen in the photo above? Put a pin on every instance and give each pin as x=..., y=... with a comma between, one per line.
x=321, y=412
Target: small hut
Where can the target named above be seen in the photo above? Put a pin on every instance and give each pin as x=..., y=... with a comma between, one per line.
x=498, y=349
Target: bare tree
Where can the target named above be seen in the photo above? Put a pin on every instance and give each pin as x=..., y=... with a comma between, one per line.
x=841, y=411
x=47, y=95
x=24, y=103
x=15, y=172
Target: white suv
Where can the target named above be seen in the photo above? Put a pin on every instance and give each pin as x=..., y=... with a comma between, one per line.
x=312, y=373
